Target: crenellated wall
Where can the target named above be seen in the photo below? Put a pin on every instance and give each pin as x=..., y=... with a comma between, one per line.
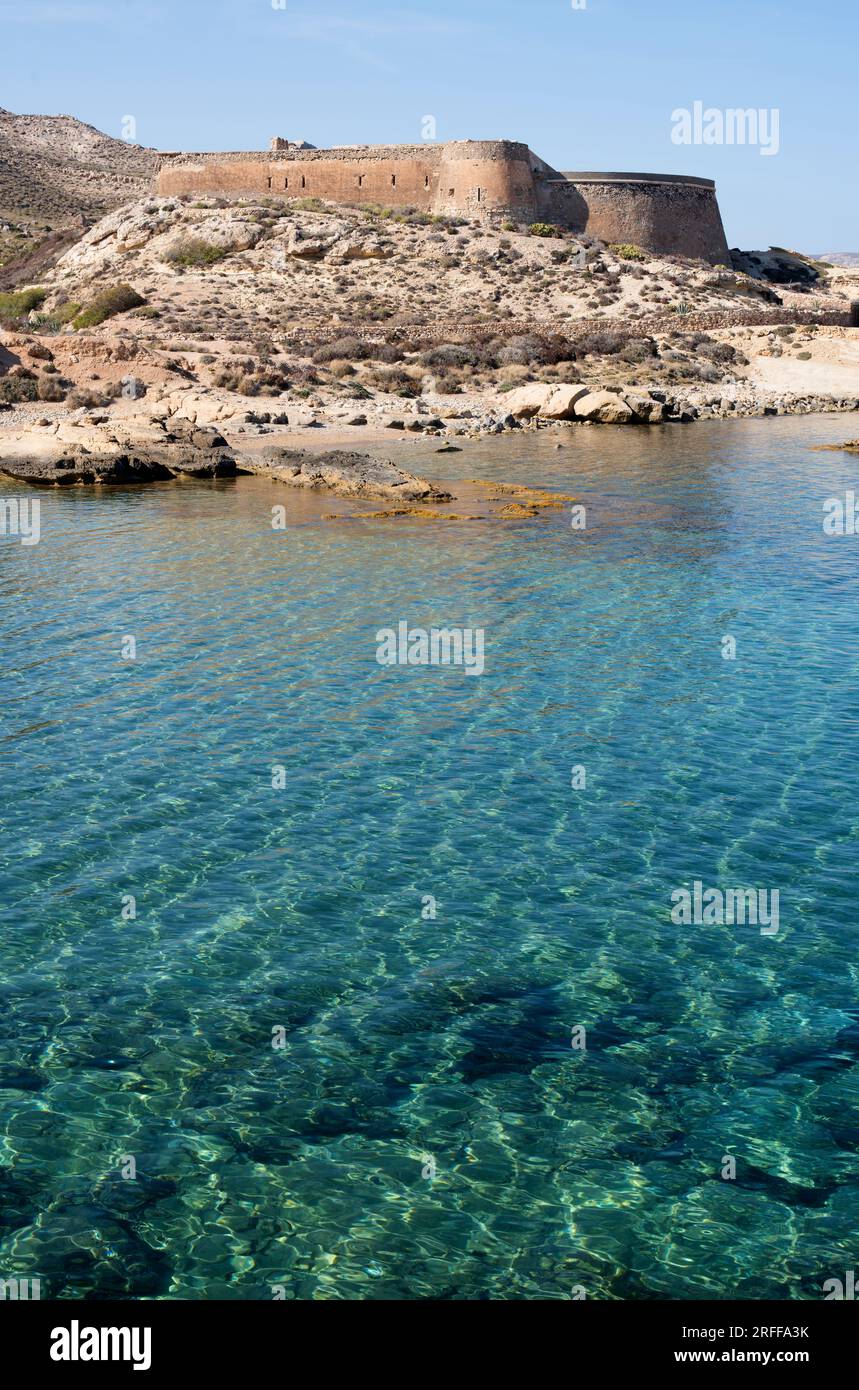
x=492, y=179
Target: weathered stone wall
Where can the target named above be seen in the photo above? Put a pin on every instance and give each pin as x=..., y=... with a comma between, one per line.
x=467, y=178
x=673, y=216
x=449, y=331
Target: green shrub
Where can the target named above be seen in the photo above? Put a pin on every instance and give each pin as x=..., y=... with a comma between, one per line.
x=118, y=299
x=57, y=318
x=544, y=229
x=194, y=253
x=310, y=205
x=15, y=389
x=21, y=302
x=450, y=355
x=627, y=252
x=347, y=349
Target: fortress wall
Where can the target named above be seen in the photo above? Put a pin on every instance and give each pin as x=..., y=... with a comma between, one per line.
x=483, y=178
x=394, y=182
x=670, y=216
x=466, y=178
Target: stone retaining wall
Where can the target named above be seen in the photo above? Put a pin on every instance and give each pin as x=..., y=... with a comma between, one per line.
x=445, y=331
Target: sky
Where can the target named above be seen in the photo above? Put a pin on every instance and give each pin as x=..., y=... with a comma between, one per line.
x=588, y=84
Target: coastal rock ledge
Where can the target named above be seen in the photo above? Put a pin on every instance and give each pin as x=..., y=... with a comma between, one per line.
x=344, y=473
x=95, y=450
x=108, y=451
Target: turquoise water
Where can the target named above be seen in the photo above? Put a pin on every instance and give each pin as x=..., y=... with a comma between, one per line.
x=414, y=1046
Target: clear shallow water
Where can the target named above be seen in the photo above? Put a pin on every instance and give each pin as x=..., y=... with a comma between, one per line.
x=408, y=1039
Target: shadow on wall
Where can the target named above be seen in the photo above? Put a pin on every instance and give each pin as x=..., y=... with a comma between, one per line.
x=564, y=204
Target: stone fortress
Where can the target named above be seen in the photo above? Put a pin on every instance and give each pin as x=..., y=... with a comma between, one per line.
x=491, y=179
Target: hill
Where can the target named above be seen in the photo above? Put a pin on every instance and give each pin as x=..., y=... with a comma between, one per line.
x=58, y=176
x=263, y=311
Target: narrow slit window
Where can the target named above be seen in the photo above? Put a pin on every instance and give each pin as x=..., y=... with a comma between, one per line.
x=360, y=180
x=269, y=181
x=426, y=181
x=393, y=180
x=286, y=183
x=303, y=181
x=479, y=195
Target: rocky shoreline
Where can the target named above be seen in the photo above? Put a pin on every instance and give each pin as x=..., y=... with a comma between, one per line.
x=103, y=449
x=97, y=450
x=197, y=434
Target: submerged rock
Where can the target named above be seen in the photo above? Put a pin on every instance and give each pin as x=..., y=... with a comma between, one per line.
x=852, y=446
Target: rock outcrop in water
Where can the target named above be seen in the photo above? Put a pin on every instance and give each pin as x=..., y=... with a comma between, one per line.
x=144, y=449
x=344, y=473
x=852, y=446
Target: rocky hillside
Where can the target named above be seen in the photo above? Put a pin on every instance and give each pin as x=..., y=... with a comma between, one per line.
x=55, y=170
x=57, y=177
x=272, y=268
x=274, y=316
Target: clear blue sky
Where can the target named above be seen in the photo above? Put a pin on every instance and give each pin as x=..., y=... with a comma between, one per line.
x=588, y=89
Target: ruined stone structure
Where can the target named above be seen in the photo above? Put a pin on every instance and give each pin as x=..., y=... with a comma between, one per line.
x=491, y=179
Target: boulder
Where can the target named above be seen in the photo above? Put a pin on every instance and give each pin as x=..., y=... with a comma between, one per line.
x=371, y=248
x=562, y=402
x=647, y=410
x=604, y=408
x=528, y=401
